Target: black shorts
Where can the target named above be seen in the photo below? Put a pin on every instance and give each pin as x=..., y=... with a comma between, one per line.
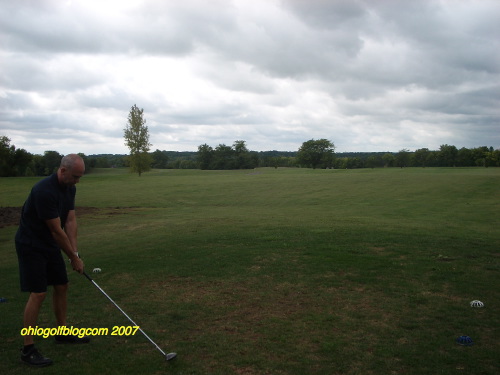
x=39, y=268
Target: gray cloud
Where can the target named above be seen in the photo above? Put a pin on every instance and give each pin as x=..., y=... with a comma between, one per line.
x=369, y=75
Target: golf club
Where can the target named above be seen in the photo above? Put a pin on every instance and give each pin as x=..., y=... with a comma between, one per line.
x=168, y=356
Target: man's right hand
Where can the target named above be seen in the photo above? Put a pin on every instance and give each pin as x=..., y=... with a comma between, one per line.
x=77, y=264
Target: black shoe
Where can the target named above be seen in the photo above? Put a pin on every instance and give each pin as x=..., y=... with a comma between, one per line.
x=70, y=339
x=34, y=358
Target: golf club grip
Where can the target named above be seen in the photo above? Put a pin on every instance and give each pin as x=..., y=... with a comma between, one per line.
x=87, y=276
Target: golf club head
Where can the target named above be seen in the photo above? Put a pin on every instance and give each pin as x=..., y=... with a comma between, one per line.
x=170, y=356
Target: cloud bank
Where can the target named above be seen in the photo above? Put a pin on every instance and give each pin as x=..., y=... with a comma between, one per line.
x=368, y=75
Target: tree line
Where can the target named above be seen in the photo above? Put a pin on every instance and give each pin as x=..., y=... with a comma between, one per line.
x=320, y=154
x=446, y=156
x=313, y=153
x=19, y=162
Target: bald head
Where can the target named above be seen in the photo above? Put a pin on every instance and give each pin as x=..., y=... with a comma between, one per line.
x=71, y=169
x=70, y=160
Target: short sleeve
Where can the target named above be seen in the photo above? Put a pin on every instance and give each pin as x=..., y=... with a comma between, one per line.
x=46, y=205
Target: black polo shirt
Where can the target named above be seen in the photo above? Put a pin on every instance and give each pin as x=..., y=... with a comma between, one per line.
x=47, y=200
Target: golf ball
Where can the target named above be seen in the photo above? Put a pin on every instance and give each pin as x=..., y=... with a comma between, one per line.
x=96, y=270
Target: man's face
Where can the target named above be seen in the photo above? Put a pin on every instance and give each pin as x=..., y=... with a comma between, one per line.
x=71, y=176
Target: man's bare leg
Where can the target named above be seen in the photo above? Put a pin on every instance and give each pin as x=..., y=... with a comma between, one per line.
x=29, y=354
x=60, y=303
x=31, y=312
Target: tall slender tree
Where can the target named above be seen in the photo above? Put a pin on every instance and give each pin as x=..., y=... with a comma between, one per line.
x=137, y=140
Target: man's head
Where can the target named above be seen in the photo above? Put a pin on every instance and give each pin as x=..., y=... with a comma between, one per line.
x=71, y=170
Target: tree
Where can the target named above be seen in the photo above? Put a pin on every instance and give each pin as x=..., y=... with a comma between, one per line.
x=5, y=156
x=51, y=161
x=465, y=158
x=160, y=159
x=244, y=158
x=13, y=162
x=137, y=140
x=479, y=155
x=491, y=158
x=205, y=156
x=316, y=153
x=447, y=156
x=38, y=165
x=388, y=159
x=371, y=162
x=224, y=158
x=421, y=157
x=403, y=158
x=22, y=161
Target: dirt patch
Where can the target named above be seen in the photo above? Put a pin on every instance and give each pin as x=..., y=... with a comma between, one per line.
x=10, y=216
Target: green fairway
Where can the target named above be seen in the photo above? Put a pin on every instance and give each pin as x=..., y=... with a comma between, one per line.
x=276, y=271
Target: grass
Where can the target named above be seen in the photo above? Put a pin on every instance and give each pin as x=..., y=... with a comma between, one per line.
x=288, y=271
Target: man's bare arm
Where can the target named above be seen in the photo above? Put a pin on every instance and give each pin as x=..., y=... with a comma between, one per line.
x=70, y=227
x=64, y=243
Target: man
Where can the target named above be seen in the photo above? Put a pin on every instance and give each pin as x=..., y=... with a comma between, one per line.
x=47, y=226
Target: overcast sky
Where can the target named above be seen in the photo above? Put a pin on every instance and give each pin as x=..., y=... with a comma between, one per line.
x=372, y=75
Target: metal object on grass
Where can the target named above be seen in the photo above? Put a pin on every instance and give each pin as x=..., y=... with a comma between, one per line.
x=168, y=356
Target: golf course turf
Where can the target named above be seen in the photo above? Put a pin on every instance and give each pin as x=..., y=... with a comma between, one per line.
x=275, y=271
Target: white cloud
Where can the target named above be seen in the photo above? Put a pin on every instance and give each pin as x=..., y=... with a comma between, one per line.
x=368, y=75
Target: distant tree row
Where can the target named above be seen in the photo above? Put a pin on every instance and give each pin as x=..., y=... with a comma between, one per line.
x=320, y=154
x=13, y=162
x=446, y=156
x=19, y=162
x=226, y=157
x=223, y=157
x=313, y=154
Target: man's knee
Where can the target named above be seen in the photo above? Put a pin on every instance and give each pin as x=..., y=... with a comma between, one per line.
x=38, y=298
x=62, y=288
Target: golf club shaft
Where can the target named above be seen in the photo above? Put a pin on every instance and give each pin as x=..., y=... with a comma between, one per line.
x=123, y=312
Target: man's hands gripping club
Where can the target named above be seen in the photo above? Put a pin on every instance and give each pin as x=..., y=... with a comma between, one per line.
x=77, y=264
